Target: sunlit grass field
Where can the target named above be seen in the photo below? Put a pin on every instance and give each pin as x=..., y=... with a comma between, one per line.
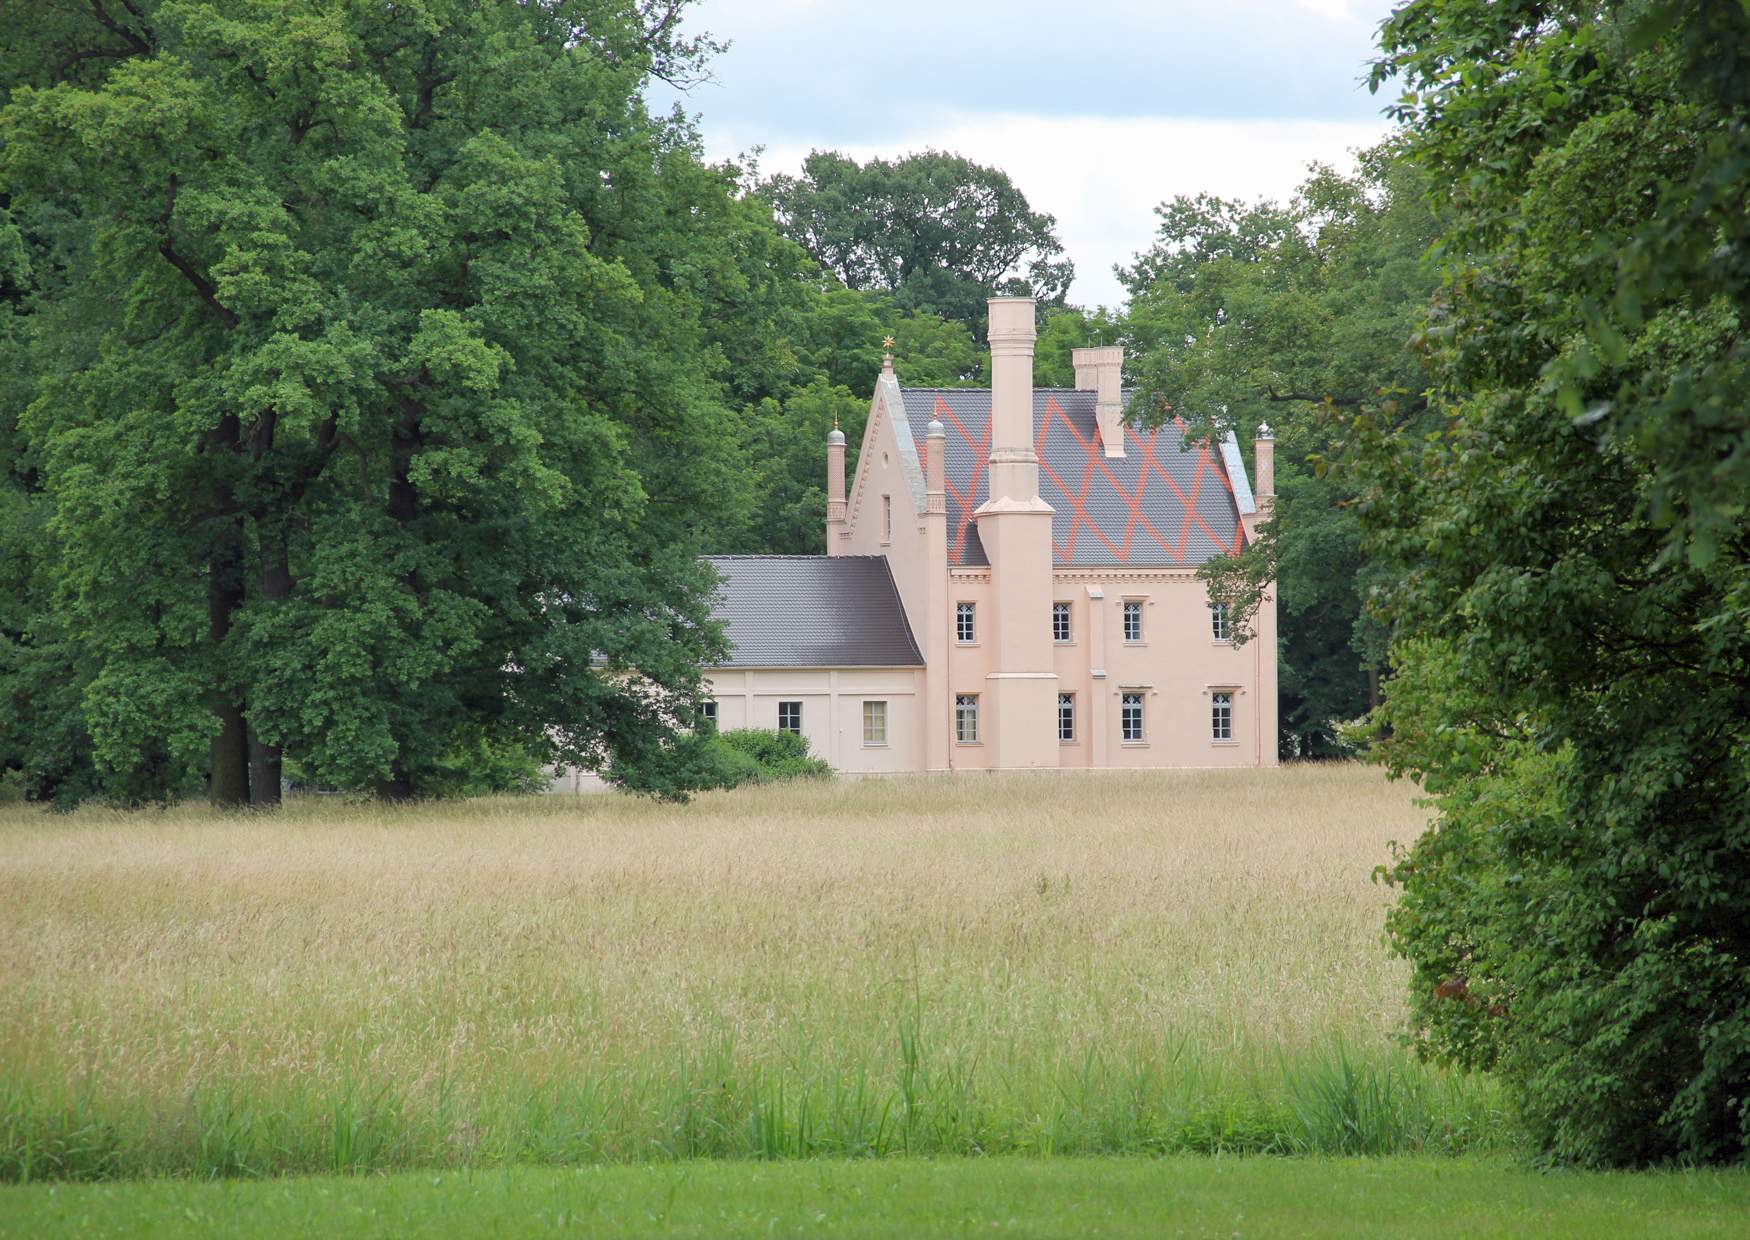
x=1148, y=963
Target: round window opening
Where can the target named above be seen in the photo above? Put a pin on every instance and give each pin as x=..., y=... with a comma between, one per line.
x=884, y=460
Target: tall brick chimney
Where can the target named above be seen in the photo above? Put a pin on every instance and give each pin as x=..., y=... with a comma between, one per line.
x=1014, y=469
x=1014, y=524
x=835, y=491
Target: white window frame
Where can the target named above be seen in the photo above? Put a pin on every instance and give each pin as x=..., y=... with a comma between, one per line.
x=1062, y=610
x=966, y=624
x=1129, y=608
x=1219, y=628
x=797, y=729
x=708, y=711
x=874, y=723
x=966, y=719
x=1066, y=713
x=1221, y=716
x=1136, y=699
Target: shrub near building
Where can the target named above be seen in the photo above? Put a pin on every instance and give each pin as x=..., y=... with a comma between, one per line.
x=709, y=759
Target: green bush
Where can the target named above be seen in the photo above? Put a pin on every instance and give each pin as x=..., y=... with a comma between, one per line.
x=776, y=755
x=477, y=764
x=707, y=759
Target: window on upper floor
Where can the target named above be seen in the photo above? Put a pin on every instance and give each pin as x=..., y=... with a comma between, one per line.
x=1221, y=715
x=1060, y=631
x=1130, y=718
x=966, y=623
x=790, y=717
x=1218, y=621
x=887, y=518
x=874, y=723
x=1132, y=620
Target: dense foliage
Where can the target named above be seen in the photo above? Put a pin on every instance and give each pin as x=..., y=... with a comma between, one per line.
x=1572, y=594
x=1298, y=315
x=707, y=759
x=936, y=231
x=366, y=389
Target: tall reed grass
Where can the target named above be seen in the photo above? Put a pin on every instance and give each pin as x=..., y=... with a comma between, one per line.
x=1150, y=962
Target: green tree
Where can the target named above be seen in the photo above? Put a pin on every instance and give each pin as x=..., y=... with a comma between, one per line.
x=378, y=408
x=1063, y=330
x=937, y=232
x=1572, y=666
x=1299, y=315
x=834, y=356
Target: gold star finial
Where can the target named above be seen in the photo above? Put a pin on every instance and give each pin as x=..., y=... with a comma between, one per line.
x=887, y=343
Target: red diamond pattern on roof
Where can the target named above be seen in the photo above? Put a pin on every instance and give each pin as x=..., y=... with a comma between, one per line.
x=1165, y=502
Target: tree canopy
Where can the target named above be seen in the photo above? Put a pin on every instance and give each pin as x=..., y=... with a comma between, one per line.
x=1298, y=315
x=1570, y=591
x=937, y=232
x=369, y=388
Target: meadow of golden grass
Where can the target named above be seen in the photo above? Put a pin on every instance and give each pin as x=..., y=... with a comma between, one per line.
x=1052, y=963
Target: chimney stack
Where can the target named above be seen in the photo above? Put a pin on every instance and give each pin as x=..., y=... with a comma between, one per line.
x=835, y=490
x=1102, y=370
x=1264, y=458
x=1014, y=468
x=935, y=467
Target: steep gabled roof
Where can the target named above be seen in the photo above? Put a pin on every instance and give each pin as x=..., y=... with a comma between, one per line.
x=812, y=611
x=1167, y=502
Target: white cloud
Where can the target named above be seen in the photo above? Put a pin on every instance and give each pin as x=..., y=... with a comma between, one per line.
x=1102, y=177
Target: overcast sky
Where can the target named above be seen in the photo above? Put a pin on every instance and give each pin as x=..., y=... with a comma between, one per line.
x=1098, y=110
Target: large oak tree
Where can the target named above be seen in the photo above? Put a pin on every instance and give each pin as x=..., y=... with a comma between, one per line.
x=372, y=384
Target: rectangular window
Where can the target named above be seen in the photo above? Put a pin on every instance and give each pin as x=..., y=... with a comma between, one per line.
x=874, y=723
x=1218, y=621
x=1132, y=620
x=887, y=518
x=708, y=711
x=1221, y=716
x=790, y=717
x=1060, y=622
x=1130, y=715
x=965, y=623
x=1066, y=717
x=966, y=718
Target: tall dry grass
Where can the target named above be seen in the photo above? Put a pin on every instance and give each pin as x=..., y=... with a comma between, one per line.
x=1075, y=964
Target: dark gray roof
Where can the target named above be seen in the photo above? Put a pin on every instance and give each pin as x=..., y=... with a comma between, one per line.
x=1160, y=504
x=812, y=611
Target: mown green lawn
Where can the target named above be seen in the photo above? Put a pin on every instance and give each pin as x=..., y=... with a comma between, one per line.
x=1185, y=1196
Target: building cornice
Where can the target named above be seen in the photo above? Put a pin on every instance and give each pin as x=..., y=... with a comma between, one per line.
x=1123, y=574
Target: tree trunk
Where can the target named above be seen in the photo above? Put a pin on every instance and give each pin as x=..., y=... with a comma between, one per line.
x=399, y=785
x=228, y=784
x=276, y=588
x=264, y=773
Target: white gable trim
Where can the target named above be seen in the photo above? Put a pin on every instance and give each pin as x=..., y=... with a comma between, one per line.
x=1235, y=465
x=886, y=410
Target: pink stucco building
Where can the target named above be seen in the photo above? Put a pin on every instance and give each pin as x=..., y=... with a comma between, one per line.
x=1010, y=584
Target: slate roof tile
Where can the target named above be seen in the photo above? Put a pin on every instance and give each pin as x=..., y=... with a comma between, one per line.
x=1163, y=504
x=812, y=611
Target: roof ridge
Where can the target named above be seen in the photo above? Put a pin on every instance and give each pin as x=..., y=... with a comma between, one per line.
x=985, y=390
x=778, y=555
